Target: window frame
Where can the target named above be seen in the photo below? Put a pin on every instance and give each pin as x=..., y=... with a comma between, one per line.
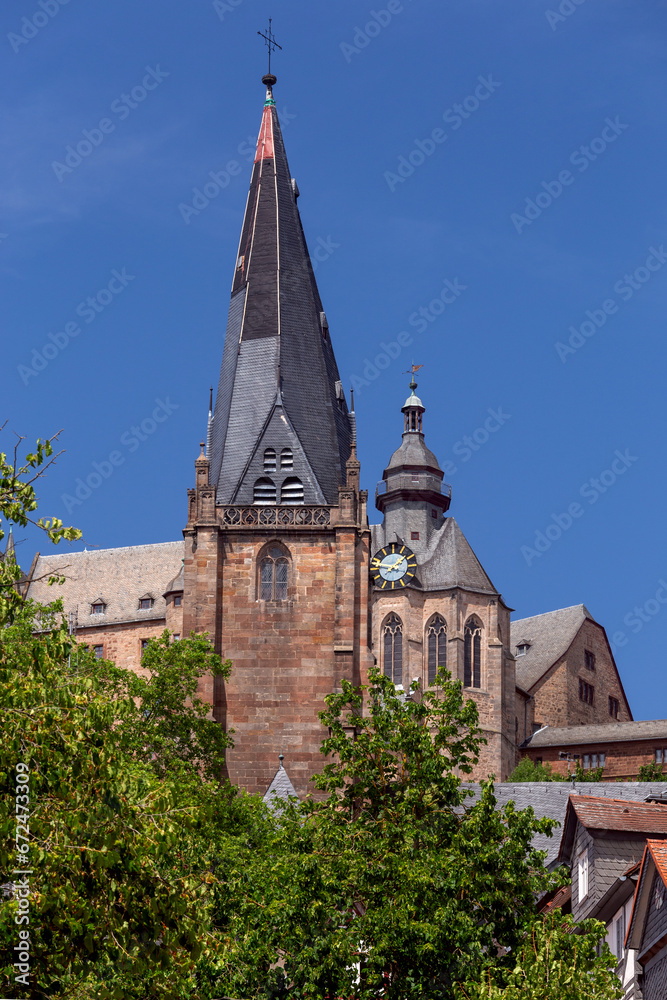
x=395, y=645
x=472, y=654
x=98, y=604
x=275, y=558
x=439, y=645
x=583, y=874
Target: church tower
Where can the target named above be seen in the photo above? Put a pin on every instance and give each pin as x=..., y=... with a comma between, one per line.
x=432, y=603
x=277, y=539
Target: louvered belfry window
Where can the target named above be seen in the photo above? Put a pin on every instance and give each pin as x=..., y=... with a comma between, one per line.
x=264, y=491
x=392, y=638
x=286, y=459
x=270, y=460
x=472, y=654
x=291, y=491
x=274, y=575
x=436, y=645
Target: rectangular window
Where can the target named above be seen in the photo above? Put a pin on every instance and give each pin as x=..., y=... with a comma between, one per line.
x=586, y=691
x=659, y=756
x=582, y=870
x=589, y=659
x=177, y=636
x=587, y=762
x=603, y=758
x=97, y=609
x=594, y=760
x=144, y=645
x=613, y=707
x=145, y=603
x=98, y=651
x=178, y=600
x=415, y=477
x=619, y=936
x=414, y=535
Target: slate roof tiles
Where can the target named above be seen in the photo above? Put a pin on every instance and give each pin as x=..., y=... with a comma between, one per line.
x=117, y=577
x=550, y=636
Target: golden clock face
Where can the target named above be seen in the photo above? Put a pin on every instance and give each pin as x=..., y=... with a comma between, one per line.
x=393, y=566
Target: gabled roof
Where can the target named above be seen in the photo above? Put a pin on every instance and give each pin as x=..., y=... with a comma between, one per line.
x=450, y=562
x=550, y=798
x=596, y=812
x=281, y=788
x=120, y=577
x=654, y=862
x=277, y=340
x=550, y=636
x=607, y=732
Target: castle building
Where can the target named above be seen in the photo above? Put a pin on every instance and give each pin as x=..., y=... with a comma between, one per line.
x=278, y=563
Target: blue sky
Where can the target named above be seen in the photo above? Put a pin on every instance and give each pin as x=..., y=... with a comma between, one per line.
x=497, y=165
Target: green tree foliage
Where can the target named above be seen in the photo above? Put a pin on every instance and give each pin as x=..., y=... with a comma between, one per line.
x=528, y=770
x=172, y=730
x=651, y=772
x=18, y=503
x=394, y=883
x=554, y=963
x=118, y=880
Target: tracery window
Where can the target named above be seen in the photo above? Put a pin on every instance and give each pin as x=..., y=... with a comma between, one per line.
x=472, y=654
x=436, y=646
x=392, y=648
x=264, y=491
x=274, y=574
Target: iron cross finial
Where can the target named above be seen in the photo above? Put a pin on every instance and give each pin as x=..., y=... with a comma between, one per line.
x=270, y=41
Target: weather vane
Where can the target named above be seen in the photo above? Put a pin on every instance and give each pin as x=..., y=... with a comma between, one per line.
x=271, y=43
x=413, y=369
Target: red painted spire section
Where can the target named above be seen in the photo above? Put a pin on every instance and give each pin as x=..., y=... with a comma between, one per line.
x=265, y=138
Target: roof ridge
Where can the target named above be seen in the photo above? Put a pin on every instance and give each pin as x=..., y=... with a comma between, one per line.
x=555, y=611
x=115, y=548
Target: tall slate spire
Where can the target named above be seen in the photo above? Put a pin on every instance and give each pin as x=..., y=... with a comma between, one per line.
x=279, y=386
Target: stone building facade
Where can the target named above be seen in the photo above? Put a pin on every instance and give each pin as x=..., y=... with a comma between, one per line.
x=279, y=564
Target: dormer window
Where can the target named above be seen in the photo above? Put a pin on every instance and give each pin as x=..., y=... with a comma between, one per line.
x=522, y=648
x=98, y=608
x=270, y=460
x=145, y=603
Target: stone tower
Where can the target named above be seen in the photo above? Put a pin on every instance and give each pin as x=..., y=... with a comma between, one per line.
x=277, y=539
x=432, y=603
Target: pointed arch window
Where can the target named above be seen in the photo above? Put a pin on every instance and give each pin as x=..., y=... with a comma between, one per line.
x=270, y=460
x=436, y=646
x=264, y=491
x=472, y=654
x=291, y=492
x=286, y=459
x=392, y=648
x=274, y=574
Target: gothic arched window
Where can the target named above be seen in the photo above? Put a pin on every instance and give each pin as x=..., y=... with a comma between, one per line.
x=270, y=460
x=273, y=574
x=436, y=645
x=291, y=491
x=472, y=654
x=264, y=491
x=392, y=648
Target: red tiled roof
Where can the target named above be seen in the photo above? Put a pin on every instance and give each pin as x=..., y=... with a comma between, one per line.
x=598, y=813
x=563, y=896
x=658, y=849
